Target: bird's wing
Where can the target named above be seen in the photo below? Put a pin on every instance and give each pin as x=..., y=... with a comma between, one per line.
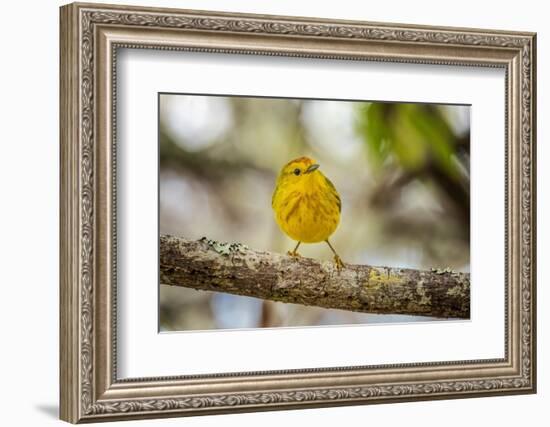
x=274, y=196
x=335, y=192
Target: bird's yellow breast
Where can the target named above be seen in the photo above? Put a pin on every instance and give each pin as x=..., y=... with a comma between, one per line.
x=307, y=210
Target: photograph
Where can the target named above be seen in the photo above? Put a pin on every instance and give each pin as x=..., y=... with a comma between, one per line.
x=349, y=186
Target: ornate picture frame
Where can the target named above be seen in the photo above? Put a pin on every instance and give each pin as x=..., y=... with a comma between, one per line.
x=90, y=37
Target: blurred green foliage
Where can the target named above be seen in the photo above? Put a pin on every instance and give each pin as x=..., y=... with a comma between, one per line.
x=408, y=142
x=414, y=135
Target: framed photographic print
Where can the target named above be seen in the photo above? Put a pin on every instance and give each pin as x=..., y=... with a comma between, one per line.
x=265, y=212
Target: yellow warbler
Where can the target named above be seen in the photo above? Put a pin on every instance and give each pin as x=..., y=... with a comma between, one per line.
x=306, y=204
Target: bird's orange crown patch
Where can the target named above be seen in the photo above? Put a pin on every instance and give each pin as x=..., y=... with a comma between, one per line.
x=300, y=160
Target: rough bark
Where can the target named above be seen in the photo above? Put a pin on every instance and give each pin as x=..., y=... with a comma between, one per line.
x=234, y=268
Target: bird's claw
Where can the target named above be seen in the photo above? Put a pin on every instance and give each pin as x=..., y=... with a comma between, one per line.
x=339, y=263
x=294, y=254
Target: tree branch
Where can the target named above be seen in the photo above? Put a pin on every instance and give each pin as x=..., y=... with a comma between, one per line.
x=234, y=268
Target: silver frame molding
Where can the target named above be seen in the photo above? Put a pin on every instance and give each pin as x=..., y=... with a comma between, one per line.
x=90, y=37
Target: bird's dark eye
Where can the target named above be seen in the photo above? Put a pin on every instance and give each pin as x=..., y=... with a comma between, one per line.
x=297, y=171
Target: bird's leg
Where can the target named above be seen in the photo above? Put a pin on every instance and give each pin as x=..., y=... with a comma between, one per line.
x=339, y=263
x=295, y=253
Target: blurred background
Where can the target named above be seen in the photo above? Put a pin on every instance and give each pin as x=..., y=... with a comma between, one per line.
x=402, y=171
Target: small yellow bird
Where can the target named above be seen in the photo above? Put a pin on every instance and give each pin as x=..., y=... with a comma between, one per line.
x=306, y=204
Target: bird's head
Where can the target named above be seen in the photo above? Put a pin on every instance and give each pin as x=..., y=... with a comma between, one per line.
x=300, y=174
x=299, y=169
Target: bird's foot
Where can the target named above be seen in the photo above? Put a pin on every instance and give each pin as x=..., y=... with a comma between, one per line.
x=294, y=254
x=339, y=263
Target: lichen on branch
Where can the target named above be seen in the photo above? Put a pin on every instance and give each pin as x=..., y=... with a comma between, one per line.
x=236, y=269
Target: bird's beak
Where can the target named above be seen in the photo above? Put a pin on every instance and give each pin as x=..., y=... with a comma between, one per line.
x=312, y=168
